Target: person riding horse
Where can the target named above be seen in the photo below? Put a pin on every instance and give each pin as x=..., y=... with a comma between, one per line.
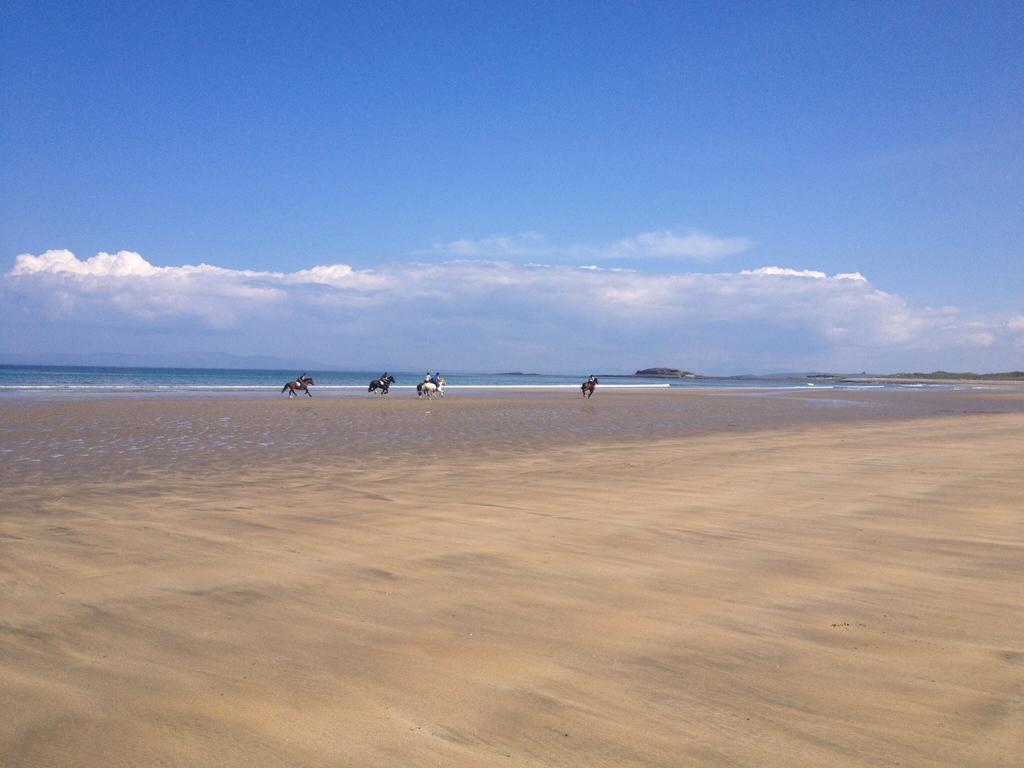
x=589, y=386
x=383, y=383
x=430, y=386
x=301, y=384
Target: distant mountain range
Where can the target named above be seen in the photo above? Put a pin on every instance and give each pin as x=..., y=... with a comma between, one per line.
x=969, y=376
x=675, y=373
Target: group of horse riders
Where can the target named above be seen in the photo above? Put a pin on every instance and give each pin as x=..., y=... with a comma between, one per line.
x=432, y=382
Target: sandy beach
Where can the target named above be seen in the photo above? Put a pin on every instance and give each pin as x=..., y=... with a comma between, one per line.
x=666, y=578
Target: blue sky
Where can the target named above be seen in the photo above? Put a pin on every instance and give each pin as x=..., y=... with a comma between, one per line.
x=653, y=158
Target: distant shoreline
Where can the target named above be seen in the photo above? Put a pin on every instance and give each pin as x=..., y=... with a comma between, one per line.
x=939, y=377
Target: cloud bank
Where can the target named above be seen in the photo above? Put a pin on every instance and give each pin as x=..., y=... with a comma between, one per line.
x=494, y=314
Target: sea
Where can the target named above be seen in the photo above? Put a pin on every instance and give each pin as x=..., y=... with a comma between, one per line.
x=96, y=381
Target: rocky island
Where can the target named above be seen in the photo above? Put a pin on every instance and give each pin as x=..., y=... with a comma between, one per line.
x=672, y=373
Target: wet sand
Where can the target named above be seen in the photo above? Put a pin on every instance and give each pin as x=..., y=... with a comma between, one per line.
x=645, y=579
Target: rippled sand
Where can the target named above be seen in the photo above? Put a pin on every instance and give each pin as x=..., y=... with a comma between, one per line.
x=647, y=579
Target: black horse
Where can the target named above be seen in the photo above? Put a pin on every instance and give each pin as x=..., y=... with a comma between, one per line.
x=383, y=384
x=301, y=384
x=589, y=386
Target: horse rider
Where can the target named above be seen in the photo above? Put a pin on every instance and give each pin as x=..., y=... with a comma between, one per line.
x=592, y=379
x=436, y=378
x=383, y=378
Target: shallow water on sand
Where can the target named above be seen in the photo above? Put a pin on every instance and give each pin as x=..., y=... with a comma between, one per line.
x=108, y=439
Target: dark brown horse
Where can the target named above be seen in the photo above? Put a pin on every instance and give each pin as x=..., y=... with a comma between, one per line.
x=589, y=386
x=301, y=384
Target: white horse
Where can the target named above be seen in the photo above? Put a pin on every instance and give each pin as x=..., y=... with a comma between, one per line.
x=429, y=389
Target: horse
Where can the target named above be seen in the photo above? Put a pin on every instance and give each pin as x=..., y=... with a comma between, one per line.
x=588, y=387
x=301, y=384
x=383, y=384
x=429, y=389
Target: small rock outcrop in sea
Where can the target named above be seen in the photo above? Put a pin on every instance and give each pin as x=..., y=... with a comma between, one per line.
x=674, y=373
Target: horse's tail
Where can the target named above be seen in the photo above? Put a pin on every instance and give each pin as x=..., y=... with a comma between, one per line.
x=371, y=387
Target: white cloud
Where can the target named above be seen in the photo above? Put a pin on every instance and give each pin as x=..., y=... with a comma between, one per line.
x=666, y=244
x=785, y=272
x=479, y=313
x=979, y=339
x=662, y=244
x=530, y=244
x=120, y=264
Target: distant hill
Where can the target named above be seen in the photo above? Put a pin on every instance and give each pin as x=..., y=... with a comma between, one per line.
x=675, y=373
x=969, y=376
